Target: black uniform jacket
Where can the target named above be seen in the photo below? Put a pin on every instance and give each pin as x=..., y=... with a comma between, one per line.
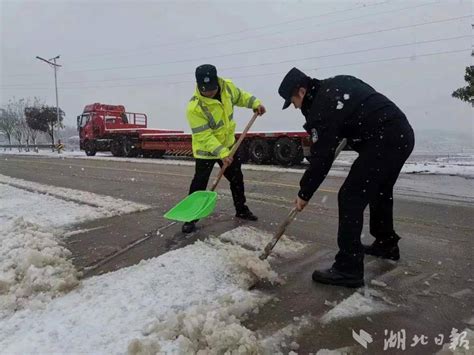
x=341, y=107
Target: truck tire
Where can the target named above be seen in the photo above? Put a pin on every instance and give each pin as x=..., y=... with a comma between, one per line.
x=259, y=151
x=299, y=156
x=128, y=148
x=287, y=152
x=116, y=148
x=243, y=152
x=90, y=148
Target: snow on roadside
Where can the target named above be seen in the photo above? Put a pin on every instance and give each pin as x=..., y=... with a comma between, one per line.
x=34, y=266
x=466, y=170
x=107, y=205
x=456, y=164
x=186, y=300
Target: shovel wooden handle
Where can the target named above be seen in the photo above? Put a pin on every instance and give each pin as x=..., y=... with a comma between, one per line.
x=234, y=149
x=281, y=229
x=291, y=216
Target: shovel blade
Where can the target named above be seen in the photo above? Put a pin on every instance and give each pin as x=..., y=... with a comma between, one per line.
x=198, y=205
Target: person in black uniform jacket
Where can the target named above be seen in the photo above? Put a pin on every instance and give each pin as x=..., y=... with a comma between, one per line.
x=340, y=107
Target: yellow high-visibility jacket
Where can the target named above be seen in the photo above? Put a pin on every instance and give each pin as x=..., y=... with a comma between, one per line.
x=211, y=121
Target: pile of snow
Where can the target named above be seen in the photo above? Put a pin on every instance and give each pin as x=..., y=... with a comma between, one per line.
x=210, y=329
x=34, y=266
x=192, y=298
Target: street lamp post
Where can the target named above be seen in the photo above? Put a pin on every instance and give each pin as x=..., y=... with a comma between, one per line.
x=52, y=62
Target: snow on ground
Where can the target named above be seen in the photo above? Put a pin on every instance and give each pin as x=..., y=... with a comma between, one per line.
x=460, y=164
x=186, y=300
x=107, y=206
x=34, y=266
x=355, y=305
x=254, y=239
x=466, y=170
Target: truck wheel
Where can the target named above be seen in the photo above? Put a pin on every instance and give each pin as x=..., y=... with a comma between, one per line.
x=128, y=148
x=299, y=156
x=286, y=151
x=116, y=148
x=243, y=152
x=90, y=149
x=259, y=151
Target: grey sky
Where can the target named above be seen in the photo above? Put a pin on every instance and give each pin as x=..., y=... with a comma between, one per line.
x=155, y=46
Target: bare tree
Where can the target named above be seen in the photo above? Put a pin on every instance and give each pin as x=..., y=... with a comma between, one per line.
x=19, y=132
x=7, y=122
x=33, y=136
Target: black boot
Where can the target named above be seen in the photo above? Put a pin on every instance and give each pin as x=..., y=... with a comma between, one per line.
x=245, y=213
x=384, y=248
x=333, y=276
x=189, y=227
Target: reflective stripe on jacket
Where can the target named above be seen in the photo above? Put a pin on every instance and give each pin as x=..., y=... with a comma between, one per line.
x=211, y=121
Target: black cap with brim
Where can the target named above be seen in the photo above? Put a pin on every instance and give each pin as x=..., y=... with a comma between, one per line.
x=287, y=103
x=292, y=80
x=206, y=77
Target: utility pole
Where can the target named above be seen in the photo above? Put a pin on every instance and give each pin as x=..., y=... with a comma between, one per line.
x=52, y=62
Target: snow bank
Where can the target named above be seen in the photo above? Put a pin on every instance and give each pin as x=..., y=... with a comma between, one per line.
x=201, y=290
x=107, y=206
x=33, y=267
x=206, y=329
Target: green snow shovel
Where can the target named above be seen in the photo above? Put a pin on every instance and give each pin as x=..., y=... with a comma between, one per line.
x=291, y=216
x=201, y=204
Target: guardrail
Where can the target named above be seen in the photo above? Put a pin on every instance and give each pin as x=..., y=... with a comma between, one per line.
x=23, y=146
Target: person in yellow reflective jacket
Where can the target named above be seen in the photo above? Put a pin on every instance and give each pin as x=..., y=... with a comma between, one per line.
x=210, y=116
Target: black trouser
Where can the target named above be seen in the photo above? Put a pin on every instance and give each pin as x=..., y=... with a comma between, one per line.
x=233, y=173
x=370, y=182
